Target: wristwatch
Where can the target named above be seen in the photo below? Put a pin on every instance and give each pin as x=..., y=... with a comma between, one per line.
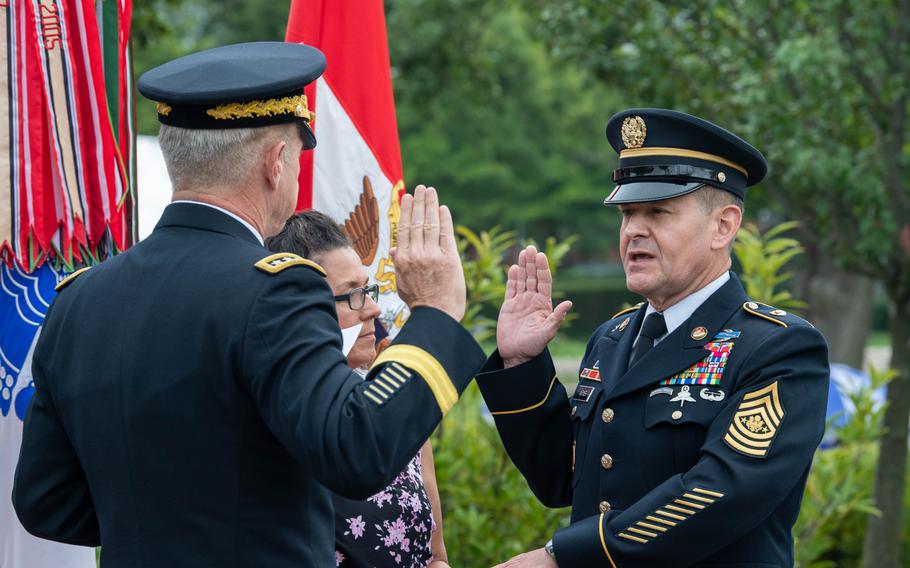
x=549, y=548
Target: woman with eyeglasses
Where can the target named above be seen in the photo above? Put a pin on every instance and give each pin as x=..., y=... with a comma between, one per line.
x=401, y=525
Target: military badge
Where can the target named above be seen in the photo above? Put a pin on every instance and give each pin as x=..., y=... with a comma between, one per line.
x=756, y=422
x=590, y=374
x=683, y=396
x=699, y=333
x=712, y=395
x=709, y=370
x=661, y=390
x=633, y=132
x=583, y=393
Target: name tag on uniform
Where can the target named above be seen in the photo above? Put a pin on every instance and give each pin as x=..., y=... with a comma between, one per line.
x=583, y=393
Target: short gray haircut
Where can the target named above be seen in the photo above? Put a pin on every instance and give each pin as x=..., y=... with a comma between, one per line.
x=710, y=198
x=199, y=158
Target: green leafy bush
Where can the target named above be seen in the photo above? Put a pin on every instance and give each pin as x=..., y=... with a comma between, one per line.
x=762, y=258
x=838, y=495
x=485, y=264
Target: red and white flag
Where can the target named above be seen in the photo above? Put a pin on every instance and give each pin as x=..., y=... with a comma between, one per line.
x=354, y=175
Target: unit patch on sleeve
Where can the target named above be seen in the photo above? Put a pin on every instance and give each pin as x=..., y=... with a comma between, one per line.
x=709, y=370
x=756, y=422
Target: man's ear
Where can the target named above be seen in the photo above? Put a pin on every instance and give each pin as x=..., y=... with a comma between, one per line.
x=273, y=162
x=727, y=221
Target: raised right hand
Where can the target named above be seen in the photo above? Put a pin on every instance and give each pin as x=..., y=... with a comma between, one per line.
x=527, y=320
x=427, y=266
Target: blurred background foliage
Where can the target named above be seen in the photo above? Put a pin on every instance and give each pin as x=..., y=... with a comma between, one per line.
x=502, y=106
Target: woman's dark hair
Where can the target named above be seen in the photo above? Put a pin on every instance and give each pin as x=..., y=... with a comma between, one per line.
x=309, y=234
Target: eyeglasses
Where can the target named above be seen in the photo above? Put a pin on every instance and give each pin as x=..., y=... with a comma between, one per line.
x=357, y=298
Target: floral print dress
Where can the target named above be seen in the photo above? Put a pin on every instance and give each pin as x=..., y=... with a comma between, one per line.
x=392, y=528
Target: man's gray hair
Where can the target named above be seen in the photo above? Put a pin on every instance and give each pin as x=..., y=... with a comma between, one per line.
x=710, y=198
x=201, y=158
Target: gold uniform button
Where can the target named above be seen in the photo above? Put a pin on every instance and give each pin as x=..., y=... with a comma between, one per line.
x=606, y=461
x=677, y=414
x=607, y=415
x=604, y=507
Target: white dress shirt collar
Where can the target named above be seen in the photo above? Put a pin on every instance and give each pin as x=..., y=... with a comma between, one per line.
x=678, y=313
x=229, y=214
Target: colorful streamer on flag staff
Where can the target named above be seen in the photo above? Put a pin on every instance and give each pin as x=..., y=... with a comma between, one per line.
x=65, y=170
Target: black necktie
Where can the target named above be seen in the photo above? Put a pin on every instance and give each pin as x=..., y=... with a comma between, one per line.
x=653, y=328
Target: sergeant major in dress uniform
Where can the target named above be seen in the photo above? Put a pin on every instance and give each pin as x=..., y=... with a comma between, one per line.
x=193, y=405
x=690, y=434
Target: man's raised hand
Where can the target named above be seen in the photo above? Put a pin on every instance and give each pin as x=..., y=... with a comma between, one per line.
x=527, y=320
x=427, y=266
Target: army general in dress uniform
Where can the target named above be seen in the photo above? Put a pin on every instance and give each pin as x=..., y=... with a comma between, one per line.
x=193, y=405
x=689, y=437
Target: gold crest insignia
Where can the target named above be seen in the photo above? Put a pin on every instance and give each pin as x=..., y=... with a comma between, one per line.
x=633, y=132
x=756, y=422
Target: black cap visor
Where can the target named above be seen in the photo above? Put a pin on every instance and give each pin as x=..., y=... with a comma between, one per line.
x=644, y=191
x=306, y=134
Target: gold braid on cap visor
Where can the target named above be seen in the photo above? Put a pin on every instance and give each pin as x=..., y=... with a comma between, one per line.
x=295, y=105
x=682, y=153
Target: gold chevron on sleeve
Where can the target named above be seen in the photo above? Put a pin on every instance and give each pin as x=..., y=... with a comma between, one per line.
x=756, y=422
x=428, y=367
x=659, y=521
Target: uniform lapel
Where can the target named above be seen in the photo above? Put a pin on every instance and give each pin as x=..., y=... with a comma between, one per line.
x=679, y=350
x=614, y=348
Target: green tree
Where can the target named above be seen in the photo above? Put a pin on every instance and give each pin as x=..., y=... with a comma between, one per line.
x=823, y=88
x=485, y=114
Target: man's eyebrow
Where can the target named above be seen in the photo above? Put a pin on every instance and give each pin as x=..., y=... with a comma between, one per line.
x=356, y=283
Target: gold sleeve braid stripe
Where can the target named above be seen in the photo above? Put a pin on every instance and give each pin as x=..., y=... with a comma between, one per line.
x=387, y=383
x=756, y=422
x=527, y=408
x=430, y=369
x=603, y=543
x=670, y=515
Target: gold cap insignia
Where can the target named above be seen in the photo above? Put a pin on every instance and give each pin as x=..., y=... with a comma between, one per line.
x=163, y=109
x=756, y=422
x=633, y=131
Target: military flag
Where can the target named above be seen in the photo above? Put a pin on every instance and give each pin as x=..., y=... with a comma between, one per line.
x=354, y=174
x=66, y=196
